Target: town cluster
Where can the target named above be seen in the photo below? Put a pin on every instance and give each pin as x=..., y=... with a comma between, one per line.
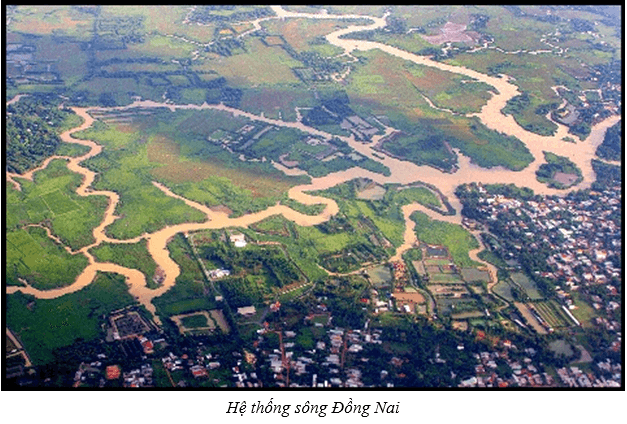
x=525, y=371
x=582, y=236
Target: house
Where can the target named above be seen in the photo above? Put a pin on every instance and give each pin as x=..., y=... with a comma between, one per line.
x=113, y=372
x=247, y=311
x=239, y=240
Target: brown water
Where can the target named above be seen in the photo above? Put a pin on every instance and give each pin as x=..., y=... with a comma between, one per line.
x=401, y=172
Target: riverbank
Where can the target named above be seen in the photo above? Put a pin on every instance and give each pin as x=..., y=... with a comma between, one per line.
x=402, y=172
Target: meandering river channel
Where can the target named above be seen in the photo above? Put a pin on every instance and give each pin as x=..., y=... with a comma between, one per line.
x=402, y=172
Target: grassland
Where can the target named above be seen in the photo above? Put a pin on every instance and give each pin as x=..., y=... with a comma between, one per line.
x=302, y=208
x=43, y=325
x=307, y=35
x=448, y=91
x=135, y=256
x=189, y=294
x=51, y=199
x=276, y=102
x=34, y=257
x=260, y=65
x=383, y=83
x=195, y=321
x=425, y=145
x=389, y=86
x=457, y=240
x=583, y=311
x=72, y=150
x=43, y=20
x=149, y=150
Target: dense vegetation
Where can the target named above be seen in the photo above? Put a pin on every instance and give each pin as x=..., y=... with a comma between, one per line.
x=546, y=173
x=227, y=13
x=32, y=129
x=425, y=145
x=430, y=145
x=612, y=146
x=532, y=120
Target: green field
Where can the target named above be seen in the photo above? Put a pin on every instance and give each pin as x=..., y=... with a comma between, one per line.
x=190, y=292
x=43, y=325
x=457, y=240
x=504, y=289
x=135, y=256
x=34, y=257
x=445, y=278
x=51, y=197
x=552, y=314
x=380, y=276
x=527, y=285
x=422, y=195
x=437, y=262
x=59, y=203
x=195, y=321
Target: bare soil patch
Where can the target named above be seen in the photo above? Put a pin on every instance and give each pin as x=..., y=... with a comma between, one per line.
x=452, y=33
x=565, y=179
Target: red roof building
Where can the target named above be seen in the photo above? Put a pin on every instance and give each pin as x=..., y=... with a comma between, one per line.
x=113, y=372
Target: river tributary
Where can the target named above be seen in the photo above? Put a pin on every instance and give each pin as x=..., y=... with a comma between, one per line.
x=402, y=172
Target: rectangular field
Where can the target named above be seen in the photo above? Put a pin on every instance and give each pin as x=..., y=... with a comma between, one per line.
x=445, y=279
x=527, y=285
x=530, y=318
x=438, y=262
x=59, y=203
x=218, y=317
x=473, y=274
x=504, y=289
x=420, y=268
x=552, y=314
x=380, y=275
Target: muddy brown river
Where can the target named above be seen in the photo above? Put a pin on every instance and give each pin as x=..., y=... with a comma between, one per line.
x=401, y=172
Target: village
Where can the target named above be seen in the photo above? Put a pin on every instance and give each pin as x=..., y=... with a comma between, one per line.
x=582, y=236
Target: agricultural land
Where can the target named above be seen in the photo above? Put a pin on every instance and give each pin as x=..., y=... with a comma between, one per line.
x=313, y=196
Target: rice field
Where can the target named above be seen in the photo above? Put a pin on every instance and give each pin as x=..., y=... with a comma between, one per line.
x=504, y=289
x=51, y=197
x=552, y=314
x=473, y=274
x=31, y=255
x=445, y=278
x=380, y=275
x=58, y=202
x=527, y=285
x=261, y=65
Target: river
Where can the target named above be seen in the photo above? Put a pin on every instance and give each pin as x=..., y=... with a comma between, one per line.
x=402, y=172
